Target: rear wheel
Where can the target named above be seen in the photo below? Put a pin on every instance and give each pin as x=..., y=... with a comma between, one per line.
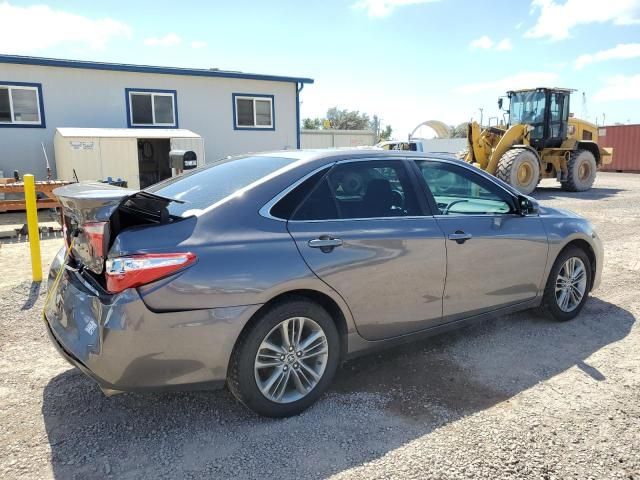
x=520, y=168
x=282, y=364
x=581, y=171
x=568, y=285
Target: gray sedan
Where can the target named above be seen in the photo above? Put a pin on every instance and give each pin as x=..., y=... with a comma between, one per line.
x=264, y=272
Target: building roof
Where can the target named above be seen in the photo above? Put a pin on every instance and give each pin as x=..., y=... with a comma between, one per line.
x=125, y=67
x=127, y=132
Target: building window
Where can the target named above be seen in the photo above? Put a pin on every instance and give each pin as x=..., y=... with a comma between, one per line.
x=21, y=105
x=253, y=112
x=151, y=108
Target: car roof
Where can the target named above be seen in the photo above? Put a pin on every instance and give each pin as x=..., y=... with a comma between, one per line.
x=321, y=156
x=308, y=155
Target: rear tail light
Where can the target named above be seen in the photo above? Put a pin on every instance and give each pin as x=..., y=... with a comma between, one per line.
x=95, y=233
x=136, y=270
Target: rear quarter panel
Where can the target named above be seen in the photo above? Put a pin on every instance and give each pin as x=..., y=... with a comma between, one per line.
x=243, y=258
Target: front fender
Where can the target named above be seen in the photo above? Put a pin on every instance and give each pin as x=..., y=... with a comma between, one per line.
x=564, y=229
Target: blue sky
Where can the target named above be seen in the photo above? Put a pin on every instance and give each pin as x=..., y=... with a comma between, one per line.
x=405, y=60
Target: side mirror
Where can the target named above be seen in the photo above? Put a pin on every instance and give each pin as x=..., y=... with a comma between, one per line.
x=500, y=103
x=527, y=206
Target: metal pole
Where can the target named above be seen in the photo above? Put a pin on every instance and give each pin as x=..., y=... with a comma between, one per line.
x=32, y=225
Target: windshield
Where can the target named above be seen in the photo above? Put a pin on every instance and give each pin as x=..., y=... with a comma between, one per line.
x=207, y=185
x=527, y=107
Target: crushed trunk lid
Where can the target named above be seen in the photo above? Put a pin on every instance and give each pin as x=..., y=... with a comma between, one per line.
x=93, y=213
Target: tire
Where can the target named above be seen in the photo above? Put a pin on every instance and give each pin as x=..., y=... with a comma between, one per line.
x=520, y=168
x=581, y=171
x=551, y=304
x=244, y=373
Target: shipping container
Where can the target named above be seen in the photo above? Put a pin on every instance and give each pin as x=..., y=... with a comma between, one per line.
x=625, y=141
x=137, y=155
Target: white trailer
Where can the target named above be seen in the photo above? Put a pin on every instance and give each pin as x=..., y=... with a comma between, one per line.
x=336, y=138
x=140, y=156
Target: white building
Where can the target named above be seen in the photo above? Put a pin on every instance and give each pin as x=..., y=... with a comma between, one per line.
x=234, y=112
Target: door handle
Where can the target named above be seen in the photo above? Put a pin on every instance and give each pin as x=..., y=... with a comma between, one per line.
x=325, y=243
x=460, y=237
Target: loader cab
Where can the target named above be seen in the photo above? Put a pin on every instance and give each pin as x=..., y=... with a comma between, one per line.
x=544, y=109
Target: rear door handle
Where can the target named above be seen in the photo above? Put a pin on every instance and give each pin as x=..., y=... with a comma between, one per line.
x=460, y=237
x=325, y=243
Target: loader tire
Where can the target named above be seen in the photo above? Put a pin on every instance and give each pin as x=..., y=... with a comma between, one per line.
x=581, y=171
x=520, y=168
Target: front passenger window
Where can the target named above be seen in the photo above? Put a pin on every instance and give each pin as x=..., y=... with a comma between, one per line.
x=459, y=191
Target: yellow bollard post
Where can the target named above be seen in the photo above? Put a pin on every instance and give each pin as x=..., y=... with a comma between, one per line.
x=32, y=225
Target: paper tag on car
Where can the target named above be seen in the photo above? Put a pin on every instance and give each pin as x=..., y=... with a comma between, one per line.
x=91, y=326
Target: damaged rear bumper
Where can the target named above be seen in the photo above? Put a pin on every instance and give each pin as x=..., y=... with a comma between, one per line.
x=124, y=346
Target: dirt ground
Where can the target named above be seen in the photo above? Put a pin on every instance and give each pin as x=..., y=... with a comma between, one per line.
x=517, y=396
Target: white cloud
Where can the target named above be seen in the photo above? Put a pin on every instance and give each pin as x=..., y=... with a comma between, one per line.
x=504, y=44
x=620, y=51
x=619, y=87
x=556, y=20
x=382, y=8
x=26, y=30
x=519, y=80
x=169, y=40
x=198, y=44
x=486, y=43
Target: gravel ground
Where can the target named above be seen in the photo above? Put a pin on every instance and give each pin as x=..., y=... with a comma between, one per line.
x=514, y=397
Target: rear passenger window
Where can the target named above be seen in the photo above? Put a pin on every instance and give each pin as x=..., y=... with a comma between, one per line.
x=368, y=189
x=320, y=205
x=286, y=206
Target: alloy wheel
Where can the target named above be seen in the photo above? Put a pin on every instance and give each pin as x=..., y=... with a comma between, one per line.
x=291, y=360
x=571, y=284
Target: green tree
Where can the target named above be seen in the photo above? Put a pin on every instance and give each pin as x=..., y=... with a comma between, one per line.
x=347, y=119
x=458, y=132
x=385, y=133
x=375, y=125
x=311, y=123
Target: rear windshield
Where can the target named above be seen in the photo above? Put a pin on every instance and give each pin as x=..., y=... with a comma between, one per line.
x=205, y=186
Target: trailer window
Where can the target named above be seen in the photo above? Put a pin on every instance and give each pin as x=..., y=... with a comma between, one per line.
x=20, y=105
x=253, y=112
x=151, y=108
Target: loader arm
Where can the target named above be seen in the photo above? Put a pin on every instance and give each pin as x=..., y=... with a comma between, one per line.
x=516, y=135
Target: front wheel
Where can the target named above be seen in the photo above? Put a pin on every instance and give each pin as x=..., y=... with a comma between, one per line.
x=283, y=364
x=568, y=285
x=520, y=168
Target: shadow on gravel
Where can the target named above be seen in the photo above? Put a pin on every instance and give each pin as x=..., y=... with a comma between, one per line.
x=552, y=193
x=32, y=298
x=378, y=403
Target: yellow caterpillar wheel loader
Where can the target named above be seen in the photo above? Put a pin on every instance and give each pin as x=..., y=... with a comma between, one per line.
x=540, y=140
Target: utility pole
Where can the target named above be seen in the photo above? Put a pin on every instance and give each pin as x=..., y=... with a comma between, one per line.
x=481, y=115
